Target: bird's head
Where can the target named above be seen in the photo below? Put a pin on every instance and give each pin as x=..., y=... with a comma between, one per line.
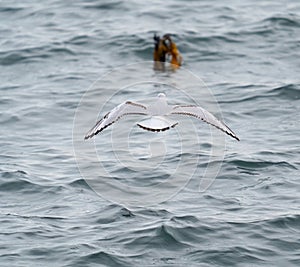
x=161, y=95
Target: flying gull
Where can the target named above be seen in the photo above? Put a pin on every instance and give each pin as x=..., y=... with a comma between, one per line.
x=158, y=112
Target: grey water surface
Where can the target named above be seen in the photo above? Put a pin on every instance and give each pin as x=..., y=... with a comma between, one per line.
x=248, y=55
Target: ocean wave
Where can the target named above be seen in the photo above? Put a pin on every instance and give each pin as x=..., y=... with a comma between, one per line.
x=258, y=164
x=283, y=21
x=21, y=181
x=287, y=221
x=226, y=256
x=16, y=181
x=9, y=118
x=271, y=224
x=103, y=5
x=80, y=40
x=10, y=9
x=288, y=92
x=79, y=183
x=26, y=55
x=157, y=235
x=104, y=258
x=194, y=38
x=253, y=93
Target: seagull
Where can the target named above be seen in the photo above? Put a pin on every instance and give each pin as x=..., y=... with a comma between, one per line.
x=158, y=112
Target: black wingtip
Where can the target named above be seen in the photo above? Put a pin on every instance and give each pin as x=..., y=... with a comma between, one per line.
x=232, y=134
x=238, y=139
x=88, y=137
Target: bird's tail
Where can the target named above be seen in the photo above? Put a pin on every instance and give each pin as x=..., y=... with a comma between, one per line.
x=157, y=124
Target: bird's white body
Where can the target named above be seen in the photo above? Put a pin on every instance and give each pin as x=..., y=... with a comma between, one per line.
x=160, y=107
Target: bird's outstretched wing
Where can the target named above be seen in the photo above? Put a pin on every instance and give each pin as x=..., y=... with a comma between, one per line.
x=204, y=115
x=126, y=108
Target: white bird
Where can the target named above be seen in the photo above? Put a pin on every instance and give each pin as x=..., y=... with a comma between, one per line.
x=158, y=112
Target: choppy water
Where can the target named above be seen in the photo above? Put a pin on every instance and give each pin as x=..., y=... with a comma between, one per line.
x=248, y=55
